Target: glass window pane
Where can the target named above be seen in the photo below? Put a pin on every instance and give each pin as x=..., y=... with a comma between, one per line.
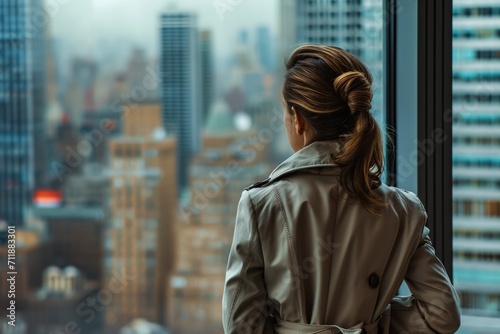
x=136, y=125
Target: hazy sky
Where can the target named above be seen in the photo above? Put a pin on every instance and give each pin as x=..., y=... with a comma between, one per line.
x=85, y=27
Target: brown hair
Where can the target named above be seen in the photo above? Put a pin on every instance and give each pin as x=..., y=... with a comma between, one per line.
x=331, y=89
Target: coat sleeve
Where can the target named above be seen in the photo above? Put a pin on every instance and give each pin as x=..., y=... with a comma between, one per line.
x=244, y=298
x=433, y=296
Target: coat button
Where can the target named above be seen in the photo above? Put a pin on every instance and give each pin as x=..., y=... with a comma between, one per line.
x=374, y=280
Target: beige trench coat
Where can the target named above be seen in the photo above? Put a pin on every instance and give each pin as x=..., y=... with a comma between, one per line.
x=304, y=259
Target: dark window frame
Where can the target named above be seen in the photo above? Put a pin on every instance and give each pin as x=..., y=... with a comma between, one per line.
x=435, y=114
x=433, y=179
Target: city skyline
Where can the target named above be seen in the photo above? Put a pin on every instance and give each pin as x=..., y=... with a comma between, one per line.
x=158, y=116
x=104, y=31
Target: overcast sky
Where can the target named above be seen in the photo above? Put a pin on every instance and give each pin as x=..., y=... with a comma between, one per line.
x=84, y=26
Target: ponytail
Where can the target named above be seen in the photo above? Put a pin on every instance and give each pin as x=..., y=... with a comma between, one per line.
x=341, y=111
x=361, y=159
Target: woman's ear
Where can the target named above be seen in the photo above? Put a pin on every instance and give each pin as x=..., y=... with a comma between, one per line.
x=299, y=122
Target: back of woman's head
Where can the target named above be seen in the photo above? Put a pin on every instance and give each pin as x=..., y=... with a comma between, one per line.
x=332, y=90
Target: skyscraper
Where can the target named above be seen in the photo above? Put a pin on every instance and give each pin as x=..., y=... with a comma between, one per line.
x=39, y=57
x=264, y=48
x=287, y=28
x=77, y=98
x=247, y=73
x=207, y=73
x=140, y=236
x=476, y=162
x=181, y=86
x=21, y=104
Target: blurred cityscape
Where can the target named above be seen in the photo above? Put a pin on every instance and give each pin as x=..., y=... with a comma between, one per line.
x=123, y=182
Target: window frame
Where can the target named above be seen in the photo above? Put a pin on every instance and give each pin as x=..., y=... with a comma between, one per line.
x=421, y=48
x=435, y=114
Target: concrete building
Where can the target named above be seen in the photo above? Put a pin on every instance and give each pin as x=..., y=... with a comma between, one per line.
x=65, y=282
x=476, y=162
x=89, y=188
x=65, y=302
x=140, y=235
x=218, y=174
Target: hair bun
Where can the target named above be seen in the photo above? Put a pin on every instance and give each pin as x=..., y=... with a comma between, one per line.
x=354, y=88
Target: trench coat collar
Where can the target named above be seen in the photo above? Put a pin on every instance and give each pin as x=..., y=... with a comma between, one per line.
x=316, y=154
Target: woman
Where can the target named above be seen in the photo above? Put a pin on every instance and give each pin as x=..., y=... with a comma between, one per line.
x=322, y=245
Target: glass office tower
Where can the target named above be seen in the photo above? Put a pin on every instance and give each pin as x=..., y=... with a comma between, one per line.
x=21, y=103
x=181, y=86
x=476, y=162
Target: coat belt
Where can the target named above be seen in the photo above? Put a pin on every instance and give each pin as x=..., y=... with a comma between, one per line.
x=379, y=326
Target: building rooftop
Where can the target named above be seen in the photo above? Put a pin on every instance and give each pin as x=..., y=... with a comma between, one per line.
x=69, y=212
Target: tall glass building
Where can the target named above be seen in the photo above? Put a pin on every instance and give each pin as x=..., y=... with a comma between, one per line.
x=207, y=73
x=21, y=103
x=181, y=86
x=476, y=162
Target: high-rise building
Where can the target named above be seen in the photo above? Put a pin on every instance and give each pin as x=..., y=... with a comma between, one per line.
x=207, y=73
x=22, y=103
x=136, y=69
x=265, y=48
x=181, y=86
x=353, y=25
x=218, y=174
x=140, y=236
x=78, y=96
x=263, y=113
x=476, y=162
x=40, y=47
x=287, y=28
x=247, y=73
